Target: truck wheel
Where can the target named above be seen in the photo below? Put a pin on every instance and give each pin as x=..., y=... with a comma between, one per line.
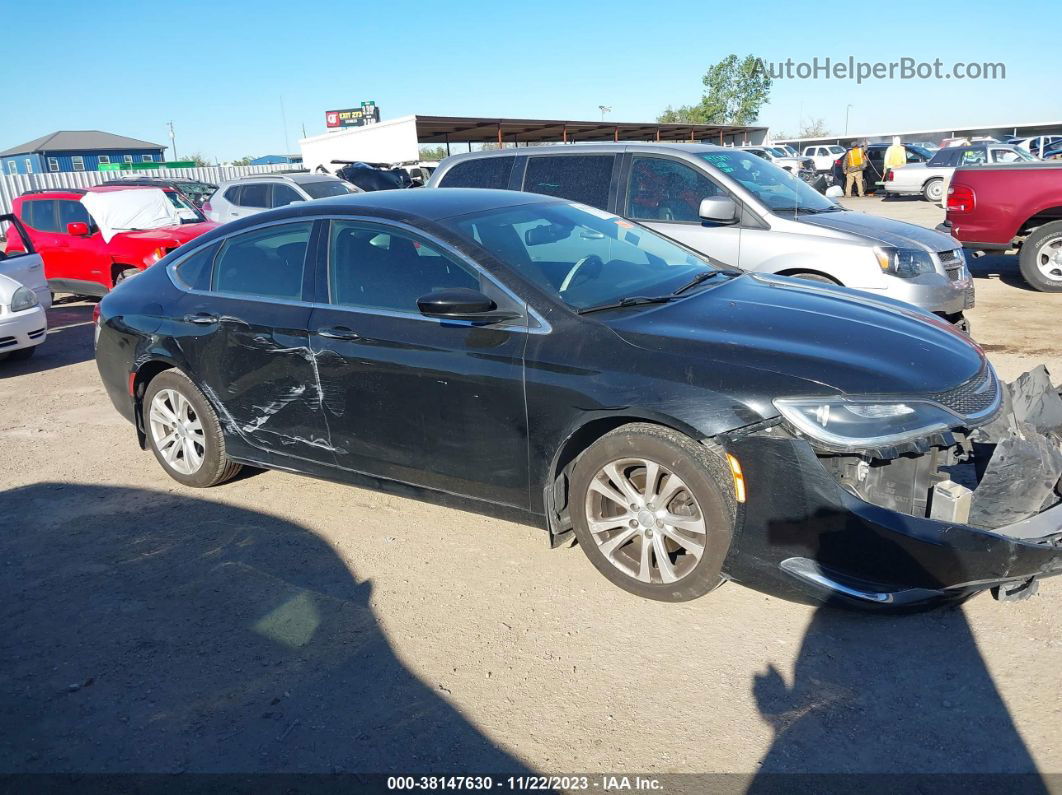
x=124, y=274
x=1041, y=258
x=933, y=191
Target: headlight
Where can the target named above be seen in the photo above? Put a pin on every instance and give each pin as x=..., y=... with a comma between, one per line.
x=24, y=298
x=843, y=424
x=904, y=262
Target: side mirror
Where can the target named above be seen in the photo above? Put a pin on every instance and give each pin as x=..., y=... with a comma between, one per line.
x=461, y=303
x=719, y=210
x=77, y=229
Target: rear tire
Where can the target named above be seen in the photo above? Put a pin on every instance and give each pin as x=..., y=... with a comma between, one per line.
x=933, y=191
x=124, y=274
x=672, y=545
x=1041, y=258
x=183, y=432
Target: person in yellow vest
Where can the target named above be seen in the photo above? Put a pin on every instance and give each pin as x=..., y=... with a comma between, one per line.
x=855, y=162
x=895, y=157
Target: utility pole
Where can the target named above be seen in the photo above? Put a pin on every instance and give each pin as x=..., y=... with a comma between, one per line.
x=604, y=109
x=173, y=141
x=284, y=120
x=848, y=108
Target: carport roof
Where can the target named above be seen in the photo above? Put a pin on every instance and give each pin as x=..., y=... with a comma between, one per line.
x=440, y=129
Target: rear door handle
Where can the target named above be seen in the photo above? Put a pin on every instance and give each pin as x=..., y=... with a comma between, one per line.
x=338, y=333
x=202, y=318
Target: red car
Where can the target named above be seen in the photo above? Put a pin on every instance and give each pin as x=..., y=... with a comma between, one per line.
x=87, y=252
x=1012, y=206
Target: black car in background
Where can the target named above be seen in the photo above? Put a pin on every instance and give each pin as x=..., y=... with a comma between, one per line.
x=875, y=172
x=541, y=360
x=196, y=191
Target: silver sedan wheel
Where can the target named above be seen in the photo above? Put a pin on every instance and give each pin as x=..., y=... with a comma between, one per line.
x=176, y=431
x=645, y=520
x=1049, y=259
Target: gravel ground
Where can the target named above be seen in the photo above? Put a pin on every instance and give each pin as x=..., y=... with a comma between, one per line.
x=279, y=623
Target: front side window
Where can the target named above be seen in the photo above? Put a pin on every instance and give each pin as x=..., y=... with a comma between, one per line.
x=71, y=212
x=1011, y=156
x=972, y=157
x=284, y=195
x=666, y=190
x=267, y=262
x=481, y=172
x=580, y=178
x=255, y=194
x=79, y=162
x=579, y=254
x=53, y=163
x=40, y=214
x=373, y=269
x=776, y=188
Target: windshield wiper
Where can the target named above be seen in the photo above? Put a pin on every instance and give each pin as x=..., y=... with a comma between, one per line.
x=633, y=300
x=816, y=210
x=703, y=276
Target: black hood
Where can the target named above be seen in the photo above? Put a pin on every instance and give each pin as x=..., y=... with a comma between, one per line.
x=832, y=339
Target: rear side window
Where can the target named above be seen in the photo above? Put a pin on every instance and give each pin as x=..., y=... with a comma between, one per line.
x=40, y=214
x=194, y=271
x=255, y=194
x=580, y=178
x=266, y=262
x=481, y=172
x=232, y=195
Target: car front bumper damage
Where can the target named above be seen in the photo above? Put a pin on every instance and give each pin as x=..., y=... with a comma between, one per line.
x=860, y=530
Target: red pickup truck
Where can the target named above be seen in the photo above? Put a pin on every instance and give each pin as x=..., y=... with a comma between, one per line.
x=87, y=252
x=1013, y=207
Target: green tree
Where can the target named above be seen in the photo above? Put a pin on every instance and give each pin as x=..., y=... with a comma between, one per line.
x=432, y=152
x=243, y=161
x=197, y=158
x=814, y=128
x=735, y=90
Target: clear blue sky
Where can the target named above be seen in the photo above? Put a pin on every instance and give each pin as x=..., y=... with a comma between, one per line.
x=219, y=69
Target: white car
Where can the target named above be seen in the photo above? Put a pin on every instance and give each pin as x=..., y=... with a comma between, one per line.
x=25, y=267
x=23, y=321
x=257, y=193
x=932, y=177
x=824, y=155
x=1036, y=144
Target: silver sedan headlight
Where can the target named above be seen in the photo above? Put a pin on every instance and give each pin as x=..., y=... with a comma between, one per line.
x=905, y=262
x=844, y=424
x=24, y=298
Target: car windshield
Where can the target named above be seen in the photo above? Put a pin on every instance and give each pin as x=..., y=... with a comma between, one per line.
x=325, y=188
x=773, y=186
x=777, y=151
x=584, y=256
x=188, y=213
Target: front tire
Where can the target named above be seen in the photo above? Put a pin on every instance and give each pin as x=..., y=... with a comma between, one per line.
x=184, y=433
x=933, y=191
x=1041, y=258
x=654, y=511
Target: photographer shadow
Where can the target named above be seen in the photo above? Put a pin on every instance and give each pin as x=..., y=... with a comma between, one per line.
x=152, y=632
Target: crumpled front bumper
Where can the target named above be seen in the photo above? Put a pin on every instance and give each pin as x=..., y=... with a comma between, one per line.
x=801, y=536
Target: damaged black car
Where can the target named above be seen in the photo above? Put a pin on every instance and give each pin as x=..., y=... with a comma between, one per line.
x=539, y=360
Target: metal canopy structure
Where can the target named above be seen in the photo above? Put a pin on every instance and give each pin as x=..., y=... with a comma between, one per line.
x=472, y=129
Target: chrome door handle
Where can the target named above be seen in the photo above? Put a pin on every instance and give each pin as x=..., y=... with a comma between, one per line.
x=201, y=318
x=338, y=333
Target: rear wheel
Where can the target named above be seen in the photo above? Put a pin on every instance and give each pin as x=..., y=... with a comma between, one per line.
x=933, y=191
x=124, y=274
x=1041, y=258
x=183, y=432
x=654, y=512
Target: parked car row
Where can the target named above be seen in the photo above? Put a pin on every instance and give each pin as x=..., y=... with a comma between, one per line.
x=545, y=359
x=930, y=179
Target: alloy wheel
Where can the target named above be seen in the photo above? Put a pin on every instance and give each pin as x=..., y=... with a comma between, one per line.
x=1049, y=259
x=176, y=431
x=645, y=520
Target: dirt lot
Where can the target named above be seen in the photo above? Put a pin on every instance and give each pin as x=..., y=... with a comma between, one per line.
x=279, y=623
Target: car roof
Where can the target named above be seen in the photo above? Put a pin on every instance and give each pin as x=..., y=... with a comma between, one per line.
x=299, y=178
x=433, y=204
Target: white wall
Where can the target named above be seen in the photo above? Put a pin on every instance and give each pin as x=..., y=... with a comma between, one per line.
x=391, y=141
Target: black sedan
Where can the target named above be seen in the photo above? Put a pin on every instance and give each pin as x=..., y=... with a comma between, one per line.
x=542, y=360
